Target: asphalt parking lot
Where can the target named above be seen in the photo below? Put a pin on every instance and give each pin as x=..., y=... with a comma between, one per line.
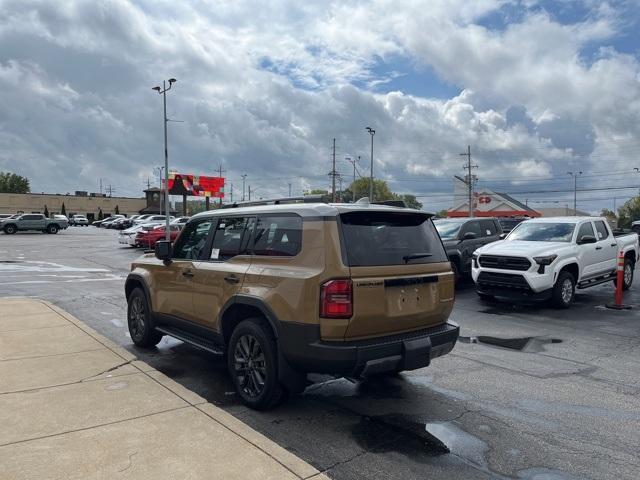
x=528, y=393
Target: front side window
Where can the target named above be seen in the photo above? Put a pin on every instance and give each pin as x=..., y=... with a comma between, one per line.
x=228, y=238
x=191, y=242
x=473, y=227
x=585, y=230
x=279, y=236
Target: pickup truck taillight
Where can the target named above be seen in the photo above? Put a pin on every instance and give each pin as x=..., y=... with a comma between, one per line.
x=336, y=299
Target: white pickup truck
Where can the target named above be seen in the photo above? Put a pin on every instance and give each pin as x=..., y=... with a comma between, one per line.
x=548, y=258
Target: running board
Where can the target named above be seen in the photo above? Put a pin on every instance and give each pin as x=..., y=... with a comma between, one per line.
x=191, y=339
x=596, y=281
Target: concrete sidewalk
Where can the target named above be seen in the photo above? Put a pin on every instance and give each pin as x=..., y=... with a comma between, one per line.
x=75, y=405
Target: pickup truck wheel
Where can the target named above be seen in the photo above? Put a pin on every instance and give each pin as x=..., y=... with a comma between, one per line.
x=52, y=229
x=627, y=275
x=564, y=290
x=10, y=229
x=252, y=361
x=139, y=320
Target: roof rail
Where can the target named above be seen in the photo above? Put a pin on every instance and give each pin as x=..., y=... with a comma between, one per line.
x=280, y=201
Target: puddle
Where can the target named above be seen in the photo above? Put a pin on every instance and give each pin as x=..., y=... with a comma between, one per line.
x=459, y=442
x=521, y=344
x=546, y=474
x=397, y=433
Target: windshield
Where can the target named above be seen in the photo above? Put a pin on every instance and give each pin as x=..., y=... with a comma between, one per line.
x=448, y=229
x=542, y=232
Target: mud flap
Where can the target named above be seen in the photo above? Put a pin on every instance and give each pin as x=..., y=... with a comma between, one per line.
x=292, y=380
x=417, y=353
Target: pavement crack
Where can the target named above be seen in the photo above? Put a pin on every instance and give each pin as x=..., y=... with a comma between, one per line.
x=130, y=463
x=115, y=367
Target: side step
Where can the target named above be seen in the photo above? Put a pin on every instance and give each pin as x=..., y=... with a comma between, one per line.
x=597, y=280
x=192, y=339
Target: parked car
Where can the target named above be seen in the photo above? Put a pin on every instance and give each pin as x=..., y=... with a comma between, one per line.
x=158, y=219
x=181, y=221
x=128, y=235
x=148, y=236
x=119, y=223
x=79, y=221
x=128, y=222
x=548, y=258
x=509, y=223
x=107, y=221
x=32, y=221
x=5, y=215
x=64, y=221
x=347, y=289
x=462, y=236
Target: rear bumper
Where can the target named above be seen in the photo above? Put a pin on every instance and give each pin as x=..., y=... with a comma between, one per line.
x=306, y=352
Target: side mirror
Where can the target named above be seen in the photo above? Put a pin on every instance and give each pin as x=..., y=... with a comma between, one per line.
x=585, y=239
x=469, y=236
x=163, y=250
x=502, y=236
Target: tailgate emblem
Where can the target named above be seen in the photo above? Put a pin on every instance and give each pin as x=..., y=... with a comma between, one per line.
x=369, y=284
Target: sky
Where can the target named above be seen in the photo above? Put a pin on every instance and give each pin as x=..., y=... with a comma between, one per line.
x=535, y=88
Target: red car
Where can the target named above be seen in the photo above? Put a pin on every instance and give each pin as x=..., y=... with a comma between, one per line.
x=147, y=237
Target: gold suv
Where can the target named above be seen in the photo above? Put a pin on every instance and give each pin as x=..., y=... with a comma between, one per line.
x=285, y=289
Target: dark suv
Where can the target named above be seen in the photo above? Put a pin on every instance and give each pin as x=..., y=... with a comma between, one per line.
x=462, y=236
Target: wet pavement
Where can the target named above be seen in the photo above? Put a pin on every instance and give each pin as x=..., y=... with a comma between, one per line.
x=529, y=392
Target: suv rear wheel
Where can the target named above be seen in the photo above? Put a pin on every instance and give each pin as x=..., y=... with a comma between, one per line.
x=53, y=229
x=564, y=290
x=253, y=364
x=139, y=320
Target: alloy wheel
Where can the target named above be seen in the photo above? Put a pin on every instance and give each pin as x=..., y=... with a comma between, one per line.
x=567, y=290
x=250, y=365
x=628, y=274
x=137, y=319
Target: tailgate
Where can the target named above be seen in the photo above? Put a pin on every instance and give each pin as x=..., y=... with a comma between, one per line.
x=401, y=276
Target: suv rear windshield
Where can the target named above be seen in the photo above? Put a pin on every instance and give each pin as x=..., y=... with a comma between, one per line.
x=390, y=238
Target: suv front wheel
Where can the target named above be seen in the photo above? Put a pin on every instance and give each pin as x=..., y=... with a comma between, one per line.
x=139, y=320
x=253, y=364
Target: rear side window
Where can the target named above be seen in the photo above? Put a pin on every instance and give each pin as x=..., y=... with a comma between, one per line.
x=279, y=236
x=488, y=228
x=601, y=228
x=390, y=238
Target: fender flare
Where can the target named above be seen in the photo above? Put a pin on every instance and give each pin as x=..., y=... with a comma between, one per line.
x=563, y=263
x=251, y=301
x=139, y=279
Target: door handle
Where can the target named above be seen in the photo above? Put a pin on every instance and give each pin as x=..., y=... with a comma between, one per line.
x=598, y=248
x=188, y=273
x=614, y=244
x=231, y=279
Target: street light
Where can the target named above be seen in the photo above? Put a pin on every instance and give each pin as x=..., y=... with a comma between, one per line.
x=353, y=162
x=372, y=132
x=163, y=91
x=575, y=191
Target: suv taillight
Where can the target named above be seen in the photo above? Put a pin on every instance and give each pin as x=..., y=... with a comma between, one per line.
x=336, y=299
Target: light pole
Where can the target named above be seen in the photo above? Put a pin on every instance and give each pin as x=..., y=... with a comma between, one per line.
x=244, y=177
x=353, y=161
x=575, y=191
x=372, y=132
x=163, y=91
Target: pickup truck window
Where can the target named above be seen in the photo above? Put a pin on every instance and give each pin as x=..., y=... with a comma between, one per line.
x=473, y=227
x=488, y=228
x=585, y=229
x=542, y=232
x=602, y=230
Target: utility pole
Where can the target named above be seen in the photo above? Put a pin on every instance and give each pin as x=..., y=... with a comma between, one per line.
x=340, y=187
x=289, y=189
x=353, y=185
x=220, y=172
x=110, y=190
x=333, y=173
x=249, y=192
x=163, y=91
x=101, y=186
x=372, y=132
x=469, y=168
x=244, y=177
x=575, y=191
x=231, y=192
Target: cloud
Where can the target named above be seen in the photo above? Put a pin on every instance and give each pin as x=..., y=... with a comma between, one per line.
x=263, y=91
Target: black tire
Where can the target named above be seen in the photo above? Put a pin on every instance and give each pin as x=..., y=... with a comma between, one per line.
x=629, y=268
x=564, y=290
x=139, y=320
x=252, y=343
x=10, y=229
x=52, y=229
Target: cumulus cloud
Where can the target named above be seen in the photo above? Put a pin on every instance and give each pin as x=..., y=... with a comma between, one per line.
x=263, y=91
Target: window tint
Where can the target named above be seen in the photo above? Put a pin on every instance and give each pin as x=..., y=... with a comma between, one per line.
x=227, y=239
x=474, y=227
x=191, y=243
x=390, y=238
x=585, y=229
x=278, y=236
x=542, y=232
x=488, y=228
x=32, y=217
x=602, y=230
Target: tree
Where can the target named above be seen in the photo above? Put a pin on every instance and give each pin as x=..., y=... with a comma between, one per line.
x=317, y=191
x=117, y=210
x=46, y=211
x=411, y=201
x=442, y=213
x=611, y=217
x=63, y=210
x=381, y=190
x=12, y=183
x=629, y=212
x=100, y=214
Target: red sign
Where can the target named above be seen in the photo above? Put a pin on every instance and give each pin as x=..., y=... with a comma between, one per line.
x=196, y=186
x=484, y=199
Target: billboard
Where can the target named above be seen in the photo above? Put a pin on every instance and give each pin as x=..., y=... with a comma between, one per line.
x=196, y=185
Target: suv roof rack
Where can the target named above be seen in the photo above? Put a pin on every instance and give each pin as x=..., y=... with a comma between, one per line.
x=280, y=201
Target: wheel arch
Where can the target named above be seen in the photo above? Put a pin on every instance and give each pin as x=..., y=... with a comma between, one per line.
x=241, y=307
x=572, y=267
x=137, y=281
